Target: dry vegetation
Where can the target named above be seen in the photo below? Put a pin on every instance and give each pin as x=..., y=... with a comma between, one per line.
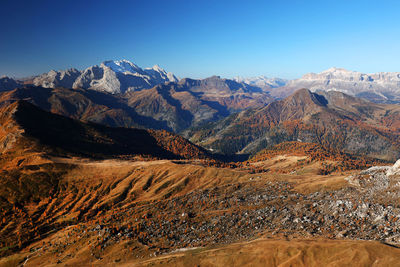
x=281, y=252
x=60, y=208
x=139, y=212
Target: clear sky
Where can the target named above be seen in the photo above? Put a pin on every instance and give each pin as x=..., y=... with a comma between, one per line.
x=200, y=38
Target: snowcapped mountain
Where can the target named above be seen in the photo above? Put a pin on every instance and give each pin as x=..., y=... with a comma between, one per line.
x=123, y=66
x=115, y=77
x=262, y=81
x=377, y=87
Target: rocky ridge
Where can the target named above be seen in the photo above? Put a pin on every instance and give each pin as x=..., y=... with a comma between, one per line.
x=381, y=87
x=115, y=77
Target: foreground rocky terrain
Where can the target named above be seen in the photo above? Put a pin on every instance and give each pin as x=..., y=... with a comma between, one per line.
x=137, y=211
x=76, y=193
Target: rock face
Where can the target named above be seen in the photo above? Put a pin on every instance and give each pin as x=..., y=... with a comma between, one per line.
x=7, y=84
x=52, y=79
x=332, y=119
x=376, y=87
x=394, y=170
x=111, y=76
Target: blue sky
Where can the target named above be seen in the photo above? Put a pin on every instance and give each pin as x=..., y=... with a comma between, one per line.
x=194, y=38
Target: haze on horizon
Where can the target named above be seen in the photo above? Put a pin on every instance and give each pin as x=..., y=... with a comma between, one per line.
x=201, y=38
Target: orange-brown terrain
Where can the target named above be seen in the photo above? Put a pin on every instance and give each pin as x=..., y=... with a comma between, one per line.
x=83, y=194
x=271, y=138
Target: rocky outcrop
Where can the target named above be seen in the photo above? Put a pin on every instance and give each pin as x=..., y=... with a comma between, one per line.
x=52, y=79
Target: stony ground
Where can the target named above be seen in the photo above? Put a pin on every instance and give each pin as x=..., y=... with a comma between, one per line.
x=367, y=208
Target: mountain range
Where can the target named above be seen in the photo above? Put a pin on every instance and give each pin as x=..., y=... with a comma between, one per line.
x=243, y=115
x=121, y=76
x=381, y=87
x=111, y=76
x=173, y=107
x=332, y=119
x=26, y=128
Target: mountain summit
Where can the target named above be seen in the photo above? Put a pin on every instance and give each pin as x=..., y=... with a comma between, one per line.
x=113, y=76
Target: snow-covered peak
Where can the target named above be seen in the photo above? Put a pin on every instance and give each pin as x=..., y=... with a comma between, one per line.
x=158, y=68
x=334, y=73
x=122, y=66
x=377, y=87
x=114, y=76
x=262, y=81
x=334, y=69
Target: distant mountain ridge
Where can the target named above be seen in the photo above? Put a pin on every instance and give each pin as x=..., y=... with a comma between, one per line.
x=262, y=81
x=118, y=76
x=381, y=87
x=170, y=106
x=121, y=76
x=130, y=96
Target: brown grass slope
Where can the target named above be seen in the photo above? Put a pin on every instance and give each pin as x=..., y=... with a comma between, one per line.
x=264, y=252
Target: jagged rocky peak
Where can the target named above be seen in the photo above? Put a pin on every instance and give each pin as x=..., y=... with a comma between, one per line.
x=52, y=79
x=160, y=75
x=112, y=76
